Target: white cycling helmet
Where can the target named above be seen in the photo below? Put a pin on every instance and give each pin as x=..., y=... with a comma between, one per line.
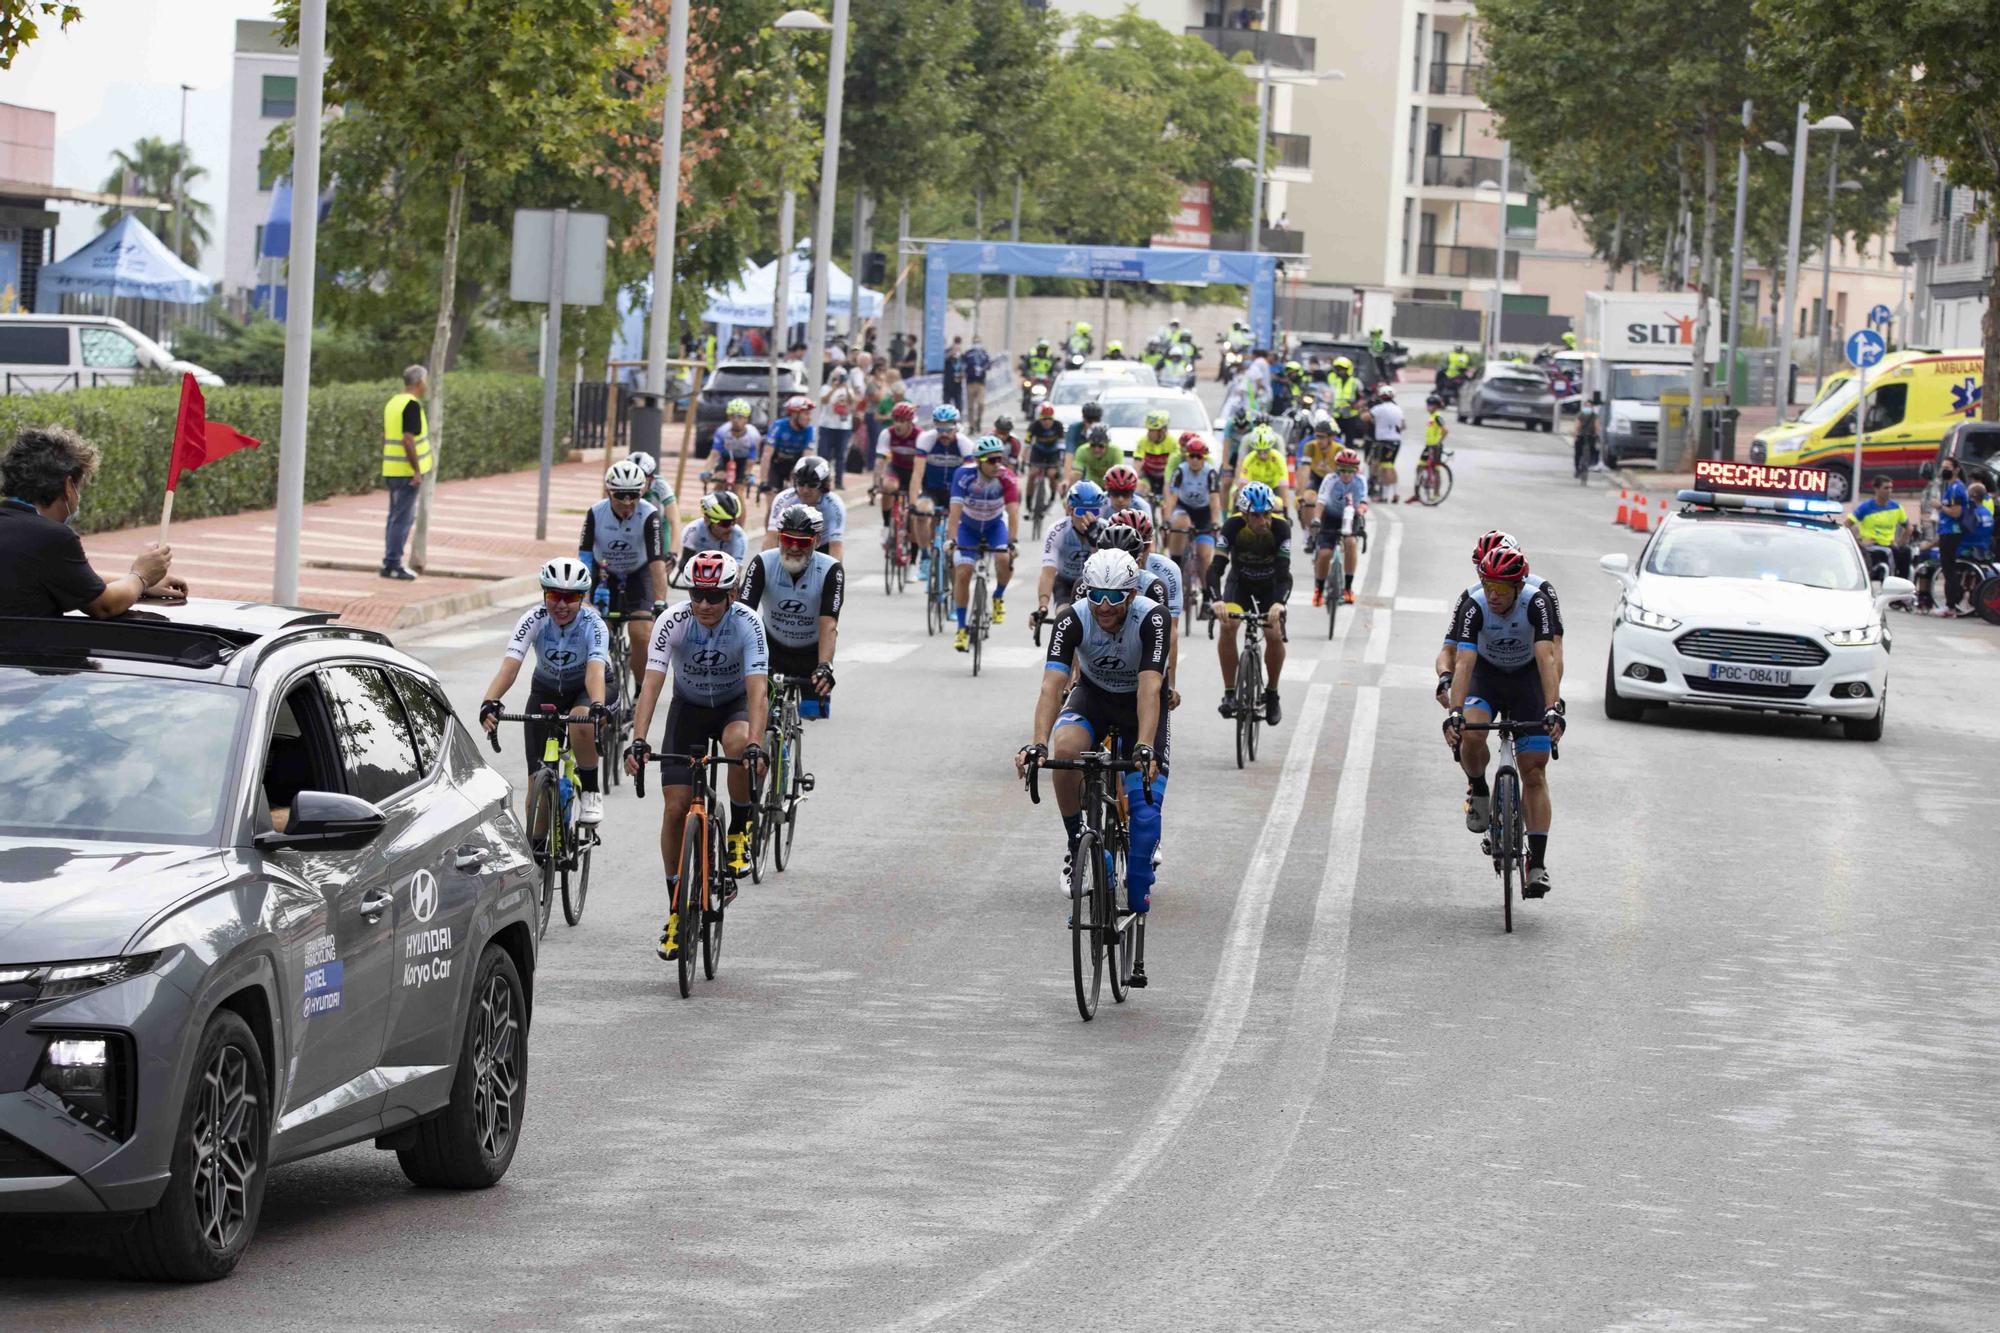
x=624, y=475
x=1110, y=569
x=566, y=573
x=645, y=462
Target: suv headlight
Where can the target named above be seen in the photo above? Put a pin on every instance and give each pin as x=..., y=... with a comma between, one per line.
x=1635, y=614
x=24, y=986
x=1859, y=637
x=90, y=1073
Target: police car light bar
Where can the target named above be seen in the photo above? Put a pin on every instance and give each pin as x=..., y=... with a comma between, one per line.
x=1718, y=477
x=1761, y=504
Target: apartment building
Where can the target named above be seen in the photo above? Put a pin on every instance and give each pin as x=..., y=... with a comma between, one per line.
x=263, y=94
x=1950, y=258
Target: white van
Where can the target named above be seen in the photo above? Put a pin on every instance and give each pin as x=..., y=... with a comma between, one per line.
x=53, y=353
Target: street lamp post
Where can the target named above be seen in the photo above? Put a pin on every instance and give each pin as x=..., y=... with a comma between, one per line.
x=299, y=305
x=668, y=201
x=1256, y=166
x=1788, y=312
x=829, y=186
x=1489, y=345
x=180, y=177
x=1833, y=186
x=1736, y=253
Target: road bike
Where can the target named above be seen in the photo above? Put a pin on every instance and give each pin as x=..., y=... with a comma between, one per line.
x=1249, y=688
x=1335, y=583
x=979, y=612
x=786, y=783
x=620, y=690
x=706, y=886
x=1041, y=498
x=1586, y=458
x=1433, y=479
x=1102, y=939
x=1506, y=839
x=937, y=588
x=561, y=845
x=895, y=543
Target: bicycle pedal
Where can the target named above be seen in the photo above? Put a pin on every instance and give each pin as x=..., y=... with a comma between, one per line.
x=1486, y=846
x=805, y=782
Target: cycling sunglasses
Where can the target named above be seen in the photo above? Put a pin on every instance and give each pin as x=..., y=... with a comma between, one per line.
x=722, y=524
x=788, y=542
x=1346, y=469
x=1110, y=596
x=708, y=596
x=1494, y=587
x=558, y=597
x=626, y=495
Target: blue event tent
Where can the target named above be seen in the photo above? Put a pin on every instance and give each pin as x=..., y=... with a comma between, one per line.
x=126, y=261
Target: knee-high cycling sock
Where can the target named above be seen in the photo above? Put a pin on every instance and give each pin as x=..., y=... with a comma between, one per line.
x=1073, y=826
x=1538, y=850
x=587, y=777
x=1478, y=785
x=999, y=586
x=1145, y=837
x=1349, y=584
x=739, y=819
x=959, y=611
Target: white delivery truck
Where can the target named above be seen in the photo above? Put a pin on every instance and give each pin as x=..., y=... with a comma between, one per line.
x=1636, y=346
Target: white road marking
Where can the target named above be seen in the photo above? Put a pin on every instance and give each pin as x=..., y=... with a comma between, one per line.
x=1423, y=605
x=874, y=652
x=1392, y=562
x=1377, y=651
x=1222, y=1021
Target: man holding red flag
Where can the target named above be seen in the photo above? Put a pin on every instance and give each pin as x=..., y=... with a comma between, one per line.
x=197, y=440
x=43, y=570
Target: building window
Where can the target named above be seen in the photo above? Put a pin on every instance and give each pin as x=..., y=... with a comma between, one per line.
x=1521, y=219
x=1913, y=179
x=257, y=241
x=281, y=96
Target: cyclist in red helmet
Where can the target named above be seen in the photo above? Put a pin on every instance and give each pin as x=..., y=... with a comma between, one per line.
x=1506, y=668
x=896, y=455
x=1449, y=652
x=1121, y=484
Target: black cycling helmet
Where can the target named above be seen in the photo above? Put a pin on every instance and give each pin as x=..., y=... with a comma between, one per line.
x=1242, y=419
x=1093, y=411
x=1003, y=424
x=1118, y=537
x=812, y=470
x=801, y=521
x=1098, y=435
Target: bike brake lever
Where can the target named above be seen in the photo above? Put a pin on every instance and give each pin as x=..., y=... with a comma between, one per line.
x=1034, y=786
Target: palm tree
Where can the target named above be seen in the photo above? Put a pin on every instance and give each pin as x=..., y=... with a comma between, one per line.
x=164, y=171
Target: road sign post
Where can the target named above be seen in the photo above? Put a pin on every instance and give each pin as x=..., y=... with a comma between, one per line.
x=558, y=259
x=1864, y=348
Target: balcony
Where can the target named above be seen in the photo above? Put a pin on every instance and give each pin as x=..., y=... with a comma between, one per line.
x=1281, y=50
x=1462, y=173
x=1457, y=80
x=1275, y=242
x=1289, y=152
x=1463, y=261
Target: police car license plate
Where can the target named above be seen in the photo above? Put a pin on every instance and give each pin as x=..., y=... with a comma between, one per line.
x=1749, y=675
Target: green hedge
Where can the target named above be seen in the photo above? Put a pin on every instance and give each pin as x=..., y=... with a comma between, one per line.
x=493, y=424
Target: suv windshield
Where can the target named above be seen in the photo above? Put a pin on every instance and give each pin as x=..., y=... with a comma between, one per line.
x=1773, y=552
x=1182, y=413
x=731, y=380
x=124, y=758
x=1073, y=389
x=1645, y=384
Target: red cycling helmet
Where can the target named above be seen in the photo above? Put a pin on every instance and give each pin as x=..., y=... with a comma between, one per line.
x=1488, y=540
x=798, y=402
x=903, y=412
x=1503, y=564
x=1121, y=480
x=712, y=569
x=1189, y=437
x=1046, y=410
x=1136, y=520
x=1194, y=448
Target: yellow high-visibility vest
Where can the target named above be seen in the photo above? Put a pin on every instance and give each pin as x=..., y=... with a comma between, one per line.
x=396, y=463
x=1342, y=393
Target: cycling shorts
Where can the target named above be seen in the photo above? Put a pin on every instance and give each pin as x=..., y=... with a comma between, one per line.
x=690, y=727
x=1203, y=518
x=938, y=494
x=533, y=734
x=1329, y=523
x=1045, y=455
x=1512, y=696
x=1385, y=452
x=972, y=534
x=1250, y=594
x=778, y=473
x=1101, y=712
x=1060, y=595
x=798, y=663
x=631, y=594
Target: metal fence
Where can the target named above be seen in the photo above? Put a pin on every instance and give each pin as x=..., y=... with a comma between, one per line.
x=1299, y=314
x=1443, y=323
x=1464, y=261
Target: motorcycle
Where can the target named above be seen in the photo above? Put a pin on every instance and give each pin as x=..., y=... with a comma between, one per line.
x=1233, y=360
x=1447, y=387
x=1074, y=361
x=1033, y=390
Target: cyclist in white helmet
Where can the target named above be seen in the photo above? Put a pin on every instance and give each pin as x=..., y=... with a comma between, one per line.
x=572, y=648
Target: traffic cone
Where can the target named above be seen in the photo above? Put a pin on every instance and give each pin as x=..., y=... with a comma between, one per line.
x=1624, y=518
x=1640, y=522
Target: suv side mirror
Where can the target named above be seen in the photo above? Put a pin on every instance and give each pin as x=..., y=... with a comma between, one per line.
x=1895, y=590
x=1619, y=564
x=327, y=820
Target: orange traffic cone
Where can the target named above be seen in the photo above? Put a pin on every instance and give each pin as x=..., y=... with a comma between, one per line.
x=1624, y=518
x=1640, y=522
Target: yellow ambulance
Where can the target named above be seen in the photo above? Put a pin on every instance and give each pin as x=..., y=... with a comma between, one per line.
x=1914, y=397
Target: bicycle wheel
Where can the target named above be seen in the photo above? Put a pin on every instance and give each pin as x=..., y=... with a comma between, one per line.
x=1117, y=959
x=763, y=799
x=1086, y=948
x=979, y=618
x=1249, y=699
x=574, y=888
x=934, y=616
x=544, y=836
x=712, y=908
x=888, y=561
x=1507, y=836
x=789, y=803
x=1434, y=484
x=1336, y=580
x=688, y=896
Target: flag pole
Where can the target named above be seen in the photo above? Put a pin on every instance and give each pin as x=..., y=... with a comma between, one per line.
x=166, y=516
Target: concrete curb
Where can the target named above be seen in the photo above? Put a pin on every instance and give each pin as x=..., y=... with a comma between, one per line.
x=491, y=593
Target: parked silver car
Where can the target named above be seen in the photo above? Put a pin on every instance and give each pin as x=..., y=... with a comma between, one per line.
x=1509, y=391
x=259, y=898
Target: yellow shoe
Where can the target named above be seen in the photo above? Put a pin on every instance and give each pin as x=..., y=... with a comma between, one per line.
x=739, y=851
x=999, y=613
x=964, y=640
x=669, y=947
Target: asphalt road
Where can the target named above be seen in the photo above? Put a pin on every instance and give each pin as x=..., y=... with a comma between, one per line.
x=1738, y=1070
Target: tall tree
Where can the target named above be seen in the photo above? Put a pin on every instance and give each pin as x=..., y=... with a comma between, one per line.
x=166, y=171
x=1927, y=71
x=20, y=23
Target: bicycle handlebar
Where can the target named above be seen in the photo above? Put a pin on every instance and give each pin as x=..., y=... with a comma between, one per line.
x=1506, y=729
x=1091, y=761
x=549, y=713
x=655, y=757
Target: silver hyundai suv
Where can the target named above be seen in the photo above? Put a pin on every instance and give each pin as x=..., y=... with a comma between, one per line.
x=259, y=898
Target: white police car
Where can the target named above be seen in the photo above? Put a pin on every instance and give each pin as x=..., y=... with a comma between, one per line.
x=1753, y=596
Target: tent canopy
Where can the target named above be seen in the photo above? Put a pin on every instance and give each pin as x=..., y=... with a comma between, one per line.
x=747, y=301
x=128, y=261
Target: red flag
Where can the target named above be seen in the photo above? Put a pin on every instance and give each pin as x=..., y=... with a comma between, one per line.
x=198, y=440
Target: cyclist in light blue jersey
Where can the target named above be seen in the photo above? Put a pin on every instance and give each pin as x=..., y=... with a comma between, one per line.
x=1067, y=544
x=810, y=476
x=623, y=546
x=572, y=648
x=720, y=528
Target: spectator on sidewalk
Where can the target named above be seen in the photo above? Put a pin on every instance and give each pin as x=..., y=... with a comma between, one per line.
x=43, y=570
x=1880, y=524
x=406, y=460
x=839, y=401
x=977, y=363
x=954, y=374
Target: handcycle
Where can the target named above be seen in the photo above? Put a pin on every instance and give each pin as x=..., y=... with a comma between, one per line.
x=706, y=887
x=786, y=783
x=1103, y=940
x=1506, y=839
x=560, y=844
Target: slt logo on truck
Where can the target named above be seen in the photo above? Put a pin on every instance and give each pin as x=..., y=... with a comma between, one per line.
x=1677, y=331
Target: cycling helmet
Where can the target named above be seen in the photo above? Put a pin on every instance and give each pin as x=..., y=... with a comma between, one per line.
x=1385, y=394
x=798, y=402
x=1093, y=411
x=1294, y=368
x=566, y=573
x=801, y=521
x=1194, y=448
x=647, y=466
x=1256, y=498
x=1322, y=424
x=624, y=478
x=989, y=446
x=811, y=471
x=1114, y=346
x=1503, y=564
x=903, y=412
x=1003, y=425
x=739, y=407
x=1082, y=327
x=1086, y=497
x=1136, y=520
x=1263, y=438
x=1112, y=537
x=1041, y=344
x=944, y=414
x=1490, y=539
x=1433, y=401
x=1187, y=437
x=1097, y=436
x=1110, y=569
x=712, y=569
x=1121, y=480
x=1046, y=411
x=1241, y=421
x=1346, y=458
x=1157, y=419
x=722, y=507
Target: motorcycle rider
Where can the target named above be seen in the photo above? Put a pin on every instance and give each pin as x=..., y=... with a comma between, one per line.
x=1080, y=341
x=1037, y=364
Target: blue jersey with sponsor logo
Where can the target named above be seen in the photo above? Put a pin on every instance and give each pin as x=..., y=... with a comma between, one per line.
x=620, y=545
x=1193, y=485
x=791, y=607
x=1507, y=640
x=943, y=455
x=831, y=508
x=562, y=652
x=1066, y=549
x=1169, y=574
x=1110, y=661
x=697, y=537
x=709, y=665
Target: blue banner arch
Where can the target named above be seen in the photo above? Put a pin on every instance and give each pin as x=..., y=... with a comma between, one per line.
x=1092, y=262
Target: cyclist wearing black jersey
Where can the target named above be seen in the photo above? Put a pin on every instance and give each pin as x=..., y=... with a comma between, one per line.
x=1045, y=445
x=1258, y=543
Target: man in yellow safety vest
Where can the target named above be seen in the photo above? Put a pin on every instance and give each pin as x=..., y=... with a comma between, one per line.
x=406, y=459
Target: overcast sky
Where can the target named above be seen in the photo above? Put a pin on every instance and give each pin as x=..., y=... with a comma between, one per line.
x=116, y=76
